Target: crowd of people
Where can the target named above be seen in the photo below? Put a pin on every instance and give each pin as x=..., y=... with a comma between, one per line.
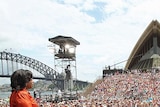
x=131, y=89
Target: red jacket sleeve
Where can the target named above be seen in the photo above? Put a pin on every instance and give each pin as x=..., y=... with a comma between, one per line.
x=22, y=99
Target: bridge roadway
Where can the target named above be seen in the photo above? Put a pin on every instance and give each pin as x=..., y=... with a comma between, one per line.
x=10, y=61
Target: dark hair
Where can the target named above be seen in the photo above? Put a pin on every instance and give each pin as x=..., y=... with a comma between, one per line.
x=19, y=78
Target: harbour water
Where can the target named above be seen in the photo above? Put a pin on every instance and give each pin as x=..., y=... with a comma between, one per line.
x=4, y=95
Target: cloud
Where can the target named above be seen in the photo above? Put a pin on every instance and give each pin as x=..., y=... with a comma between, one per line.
x=107, y=30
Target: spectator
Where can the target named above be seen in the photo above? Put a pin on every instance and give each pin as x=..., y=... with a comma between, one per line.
x=21, y=81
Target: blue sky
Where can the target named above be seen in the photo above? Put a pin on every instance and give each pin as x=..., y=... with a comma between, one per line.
x=106, y=29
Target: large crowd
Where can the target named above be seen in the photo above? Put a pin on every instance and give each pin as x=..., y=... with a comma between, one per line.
x=132, y=89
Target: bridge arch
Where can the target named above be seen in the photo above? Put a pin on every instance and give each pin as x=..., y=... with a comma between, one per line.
x=42, y=68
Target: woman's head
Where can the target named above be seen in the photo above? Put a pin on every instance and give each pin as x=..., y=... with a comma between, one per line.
x=21, y=79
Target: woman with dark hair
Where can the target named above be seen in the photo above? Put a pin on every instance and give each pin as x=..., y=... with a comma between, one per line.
x=21, y=81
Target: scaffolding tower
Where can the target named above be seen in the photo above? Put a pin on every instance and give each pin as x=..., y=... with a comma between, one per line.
x=65, y=59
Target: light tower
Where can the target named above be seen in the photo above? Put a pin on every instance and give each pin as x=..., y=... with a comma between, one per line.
x=65, y=59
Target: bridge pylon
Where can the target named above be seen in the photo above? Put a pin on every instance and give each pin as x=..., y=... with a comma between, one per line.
x=65, y=59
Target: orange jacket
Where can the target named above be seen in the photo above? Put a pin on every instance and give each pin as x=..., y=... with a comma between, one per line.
x=22, y=98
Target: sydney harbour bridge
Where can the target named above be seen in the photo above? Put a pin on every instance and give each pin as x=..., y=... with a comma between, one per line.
x=9, y=62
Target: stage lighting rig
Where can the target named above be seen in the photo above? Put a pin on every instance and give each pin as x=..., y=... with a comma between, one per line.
x=67, y=46
x=65, y=59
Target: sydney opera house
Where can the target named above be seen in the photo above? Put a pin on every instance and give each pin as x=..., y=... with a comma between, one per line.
x=146, y=53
